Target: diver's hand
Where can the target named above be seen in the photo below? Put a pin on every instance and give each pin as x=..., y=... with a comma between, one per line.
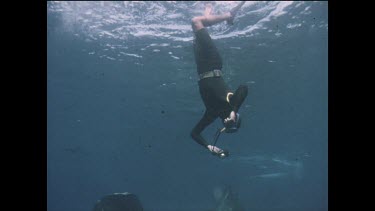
x=231, y=117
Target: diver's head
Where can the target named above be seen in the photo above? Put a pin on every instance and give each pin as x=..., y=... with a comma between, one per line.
x=232, y=126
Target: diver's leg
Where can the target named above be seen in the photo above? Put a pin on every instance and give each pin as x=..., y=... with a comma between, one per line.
x=206, y=120
x=208, y=9
x=209, y=20
x=236, y=101
x=238, y=97
x=204, y=21
x=234, y=11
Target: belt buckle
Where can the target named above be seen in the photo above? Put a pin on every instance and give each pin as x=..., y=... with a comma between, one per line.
x=216, y=72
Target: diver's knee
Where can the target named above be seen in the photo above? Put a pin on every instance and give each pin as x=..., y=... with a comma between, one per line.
x=243, y=87
x=193, y=134
x=242, y=91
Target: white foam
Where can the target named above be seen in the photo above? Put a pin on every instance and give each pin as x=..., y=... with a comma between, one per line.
x=129, y=54
x=270, y=176
x=171, y=16
x=323, y=25
x=306, y=11
x=292, y=26
x=111, y=58
x=108, y=33
x=278, y=11
x=163, y=20
x=299, y=4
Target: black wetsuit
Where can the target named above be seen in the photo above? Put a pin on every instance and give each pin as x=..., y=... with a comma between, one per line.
x=213, y=90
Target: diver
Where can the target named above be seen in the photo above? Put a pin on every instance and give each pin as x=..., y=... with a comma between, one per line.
x=218, y=99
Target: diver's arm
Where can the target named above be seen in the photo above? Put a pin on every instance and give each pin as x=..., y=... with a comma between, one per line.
x=201, y=125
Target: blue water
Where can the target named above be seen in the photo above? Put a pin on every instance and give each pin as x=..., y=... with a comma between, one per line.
x=123, y=98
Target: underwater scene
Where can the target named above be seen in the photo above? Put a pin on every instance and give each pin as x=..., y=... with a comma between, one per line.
x=123, y=96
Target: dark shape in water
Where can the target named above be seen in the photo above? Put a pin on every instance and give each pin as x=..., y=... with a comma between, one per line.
x=73, y=150
x=226, y=199
x=119, y=202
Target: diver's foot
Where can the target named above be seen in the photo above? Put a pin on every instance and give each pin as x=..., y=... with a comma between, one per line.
x=217, y=151
x=233, y=12
x=208, y=9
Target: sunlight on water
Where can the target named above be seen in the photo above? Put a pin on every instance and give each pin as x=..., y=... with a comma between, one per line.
x=165, y=20
x=119, y=25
